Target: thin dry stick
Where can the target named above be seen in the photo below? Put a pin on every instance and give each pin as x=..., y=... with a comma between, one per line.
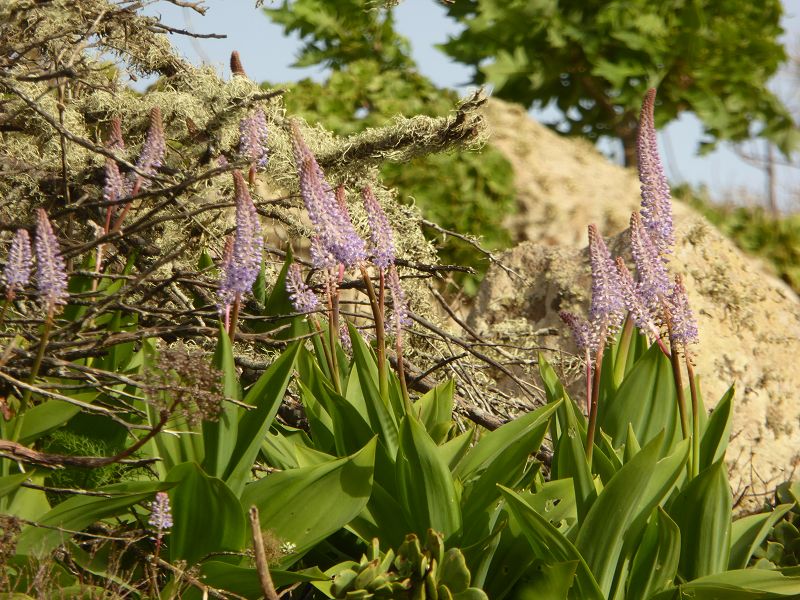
x=261, y=557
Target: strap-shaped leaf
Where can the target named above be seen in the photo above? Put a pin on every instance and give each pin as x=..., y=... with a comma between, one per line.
x=602, y=533
x=703, y=512
x=656, y=561
x=207, y=515
x=551, y=546
x=748, y=532
x=219, y=437
x=78, y=512
x=265, y=395
x=714, y=441
x=304, y=506
x=425, y=487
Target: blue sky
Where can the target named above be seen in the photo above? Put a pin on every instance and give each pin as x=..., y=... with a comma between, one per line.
x=267, y=55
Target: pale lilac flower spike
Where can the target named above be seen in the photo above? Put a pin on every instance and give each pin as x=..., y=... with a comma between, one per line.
x=253, y=137
x=114, y=187
x=226, y=296
x=607, y=307
x=152, y=155
x=160, y=512
x=400, y=316
x=303, y=297
x=17, y=273
x=654, y=281
x=380, y=232
x=581, y=330
x=336, y=236
x=51, y=274
x=682, y=322
x=241, y=270
x=656, y=197
x=641, y=312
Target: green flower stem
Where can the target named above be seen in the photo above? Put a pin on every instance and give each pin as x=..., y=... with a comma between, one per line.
x=598, y=368
x=695, y=416
x=324, y=342
x=380, y=332
x=333, y=328
x=37, y=363
x=622, y=351
x=401, y=373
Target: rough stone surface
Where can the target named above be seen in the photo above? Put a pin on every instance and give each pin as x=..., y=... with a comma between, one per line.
x=749, y=320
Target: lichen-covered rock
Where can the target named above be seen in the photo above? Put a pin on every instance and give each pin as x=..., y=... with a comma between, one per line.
x=749, y=320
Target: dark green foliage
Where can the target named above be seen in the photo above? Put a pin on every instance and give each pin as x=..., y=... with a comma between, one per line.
x=594, y=60
x=338, y=33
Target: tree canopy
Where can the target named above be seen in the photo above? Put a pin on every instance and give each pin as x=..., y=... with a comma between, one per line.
x=594, y=59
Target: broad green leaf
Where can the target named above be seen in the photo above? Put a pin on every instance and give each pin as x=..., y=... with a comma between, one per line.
x=11, y=483
x=546, y=580
x=741, y=584
x=655, y=563
x=551, y=546
x=207, y=515
x=425, y=486
x=304, y=506
x=714, y=440
x=320, y=423
x=611, y=515
x=703, y=512
x=381, y=414
x=219, y=437
x=499, y=561
x=78, y=512
x=569, y=458
x=382, y=518
x=556, y=501
x=435, y=410
x=646, y=399
x=496, y=442
x=748, y=532
x=452, y=451
x=245, y=580
x=266, y=395
x=480, y=492
x=45, y=417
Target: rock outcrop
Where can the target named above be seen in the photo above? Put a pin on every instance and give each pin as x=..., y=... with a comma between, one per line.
x=749, y=320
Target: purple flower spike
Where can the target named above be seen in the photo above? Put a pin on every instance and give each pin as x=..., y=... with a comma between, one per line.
x=641, y=312
x=400, y=316
x=160, y=512
x=115, y=140
x=607, y=307
x=152, y=155
x=253, y=137
x=241, y=269
x=114, y=188
x=51, y=274
x=18, y=266
x=683, y=325
x=581, y=330
x=337, y=237
x=303, y=297
x=344, y=335
x=380, y=231
x=653, y=278
x=656, y=196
